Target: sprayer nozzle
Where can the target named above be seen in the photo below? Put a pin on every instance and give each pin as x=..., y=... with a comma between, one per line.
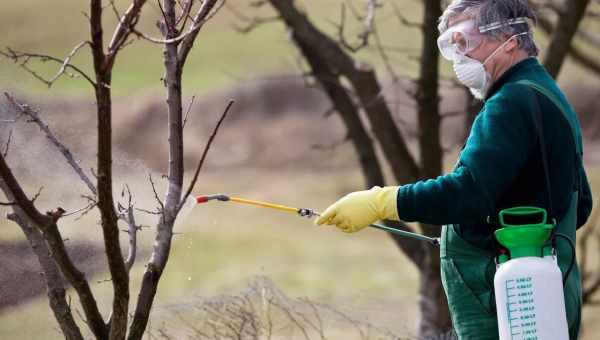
x=201, y=199
x=206, y=198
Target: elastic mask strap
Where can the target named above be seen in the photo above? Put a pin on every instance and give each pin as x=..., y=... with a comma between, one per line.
x=500, y=24
x=500, y=47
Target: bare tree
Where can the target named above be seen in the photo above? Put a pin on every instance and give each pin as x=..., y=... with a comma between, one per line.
x=179, y=27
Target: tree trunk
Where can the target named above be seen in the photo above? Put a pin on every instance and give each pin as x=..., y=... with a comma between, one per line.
x=329, y=62
x=562, y=36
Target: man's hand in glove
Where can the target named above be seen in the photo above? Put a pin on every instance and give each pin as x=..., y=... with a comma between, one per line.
x=357, y=210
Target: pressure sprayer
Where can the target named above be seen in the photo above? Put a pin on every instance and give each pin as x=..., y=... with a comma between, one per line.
x=528, y=283
x=310, y=213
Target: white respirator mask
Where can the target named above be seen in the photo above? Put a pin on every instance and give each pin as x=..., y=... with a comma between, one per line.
x=457, y=41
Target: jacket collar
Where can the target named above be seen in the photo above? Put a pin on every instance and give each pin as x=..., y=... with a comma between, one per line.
x=514, y=73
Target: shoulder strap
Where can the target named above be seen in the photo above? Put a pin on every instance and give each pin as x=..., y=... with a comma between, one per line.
x=539, y=127
x=537, y=119
x=558, y=103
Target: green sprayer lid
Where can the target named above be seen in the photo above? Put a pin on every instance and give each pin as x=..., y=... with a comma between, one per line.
x=524, y=231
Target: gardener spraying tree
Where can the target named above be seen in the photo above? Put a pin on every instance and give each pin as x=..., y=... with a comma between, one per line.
x=524, y=150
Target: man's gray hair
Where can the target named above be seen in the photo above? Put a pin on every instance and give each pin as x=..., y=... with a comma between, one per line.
x=486, y=12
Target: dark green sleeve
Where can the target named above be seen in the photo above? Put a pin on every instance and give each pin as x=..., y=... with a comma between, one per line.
x=585, y=201
x=497, y=148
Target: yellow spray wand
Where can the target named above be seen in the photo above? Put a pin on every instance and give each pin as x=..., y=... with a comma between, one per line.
x=309, y=213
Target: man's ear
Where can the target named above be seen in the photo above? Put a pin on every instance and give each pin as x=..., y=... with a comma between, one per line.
x=512, y=44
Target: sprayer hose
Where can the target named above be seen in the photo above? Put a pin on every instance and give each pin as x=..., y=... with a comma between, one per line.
x=572, y=263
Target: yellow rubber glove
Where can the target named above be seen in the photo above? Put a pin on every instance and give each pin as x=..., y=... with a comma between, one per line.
x=357, y=210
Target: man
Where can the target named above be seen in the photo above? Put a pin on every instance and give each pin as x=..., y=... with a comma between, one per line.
x=500, y=166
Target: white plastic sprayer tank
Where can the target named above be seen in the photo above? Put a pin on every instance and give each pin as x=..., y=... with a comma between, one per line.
x=530, y=301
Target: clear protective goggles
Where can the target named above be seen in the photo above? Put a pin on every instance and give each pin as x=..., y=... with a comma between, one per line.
x=464, y=37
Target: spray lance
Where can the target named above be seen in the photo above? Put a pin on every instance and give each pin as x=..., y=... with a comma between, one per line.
x=310, y=213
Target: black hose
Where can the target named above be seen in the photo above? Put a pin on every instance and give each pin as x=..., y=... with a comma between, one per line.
x=566, y=276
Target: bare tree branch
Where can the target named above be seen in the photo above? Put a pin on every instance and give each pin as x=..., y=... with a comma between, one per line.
x=578, y=55
x=562, y=35
x=35, y=118
x=23, y=59
x=47, y=225
x=7, y=145
x=365, y=84
x=126, y=23
x=161, y=209
x=250, y=23
x=403, y=21
x=187, y=112
x=199, y=20
x=589, y=37
x=52, y=277
x=363, y=38
x=126, y=214
x=84, y=210
x=186, y=9
x=382, y=52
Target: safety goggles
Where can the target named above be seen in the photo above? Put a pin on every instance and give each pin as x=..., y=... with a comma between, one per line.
x=464, y=37
x=459, y=40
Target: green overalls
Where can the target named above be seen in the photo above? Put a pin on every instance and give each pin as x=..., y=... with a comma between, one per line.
x=500, y=167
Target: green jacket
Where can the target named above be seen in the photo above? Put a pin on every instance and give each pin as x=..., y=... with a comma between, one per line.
x=500, y=165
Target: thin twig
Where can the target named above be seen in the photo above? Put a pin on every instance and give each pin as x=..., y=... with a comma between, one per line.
x=37, y=194
x=7, y=145
x=204, y=153
x=188, y=111
x=383, y=54
x=185, y=13
x=84, y=210
x=126, y=214
x=160, y=202
x=148, y=211
x=251, y=23
x=66, y=62
x=369, y=22
x=402, y=19
x=342, y=40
